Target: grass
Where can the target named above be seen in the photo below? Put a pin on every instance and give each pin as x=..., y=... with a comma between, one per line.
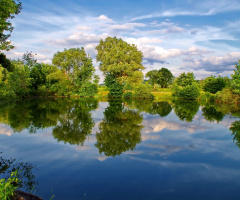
x=163, y=95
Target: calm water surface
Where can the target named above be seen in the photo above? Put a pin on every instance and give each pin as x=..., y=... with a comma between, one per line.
x=85, y=149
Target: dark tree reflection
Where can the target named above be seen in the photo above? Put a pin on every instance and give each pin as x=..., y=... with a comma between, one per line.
x=186, y=110
x=235, y=128
x=161, y=108
x=120, y=129
x=76, y=123
x=25, y=175
x=211, y=114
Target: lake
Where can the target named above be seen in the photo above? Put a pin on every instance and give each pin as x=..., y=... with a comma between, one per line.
x=90, y=150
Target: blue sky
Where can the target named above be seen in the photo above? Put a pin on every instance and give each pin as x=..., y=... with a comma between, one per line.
x=202, y=37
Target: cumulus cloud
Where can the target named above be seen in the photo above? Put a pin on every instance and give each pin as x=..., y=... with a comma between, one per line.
x=104, y=18
x=79, y=38
x=216, y=64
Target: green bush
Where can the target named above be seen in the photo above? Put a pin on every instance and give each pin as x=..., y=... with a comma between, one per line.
x=187, y=92
x=143, y=91
x=7, y=187
x=207, y=96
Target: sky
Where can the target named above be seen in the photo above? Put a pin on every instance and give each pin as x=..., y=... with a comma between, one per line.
x=202, y=37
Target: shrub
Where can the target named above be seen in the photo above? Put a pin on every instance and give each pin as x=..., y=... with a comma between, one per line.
x=143, y=91
x=187, y=92
x=7, y=187
x=213, y=85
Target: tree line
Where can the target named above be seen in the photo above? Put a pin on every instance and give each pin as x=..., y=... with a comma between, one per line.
x=72, y=72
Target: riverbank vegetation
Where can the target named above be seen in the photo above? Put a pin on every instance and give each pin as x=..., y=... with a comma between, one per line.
x=72, y=73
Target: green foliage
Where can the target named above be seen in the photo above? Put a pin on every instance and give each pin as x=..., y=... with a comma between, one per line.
x=162, y=77
x=120, y=129
x=7, y=187
x=165, y=77
x=25, y=176
x=19, y=80
x=127, y=95
x=128, y=87
x=235, y=128
x=143, y=91
x=188, y=92
x=121, y=59
x=6, y=63
x=96, y=79
x=185, y=87
x=8, y=10
x=236, y=79
x=88, y=89
x=38, y=78
x=213, y=85
x=227, y=96
x=115, y=88
x=207, y=96
x=185, y=79
x=153, y=76
x=28, y=59
x=77, y=70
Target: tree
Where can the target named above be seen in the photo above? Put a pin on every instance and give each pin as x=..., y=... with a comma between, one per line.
x=185, y=79
x=213, y=85
x=28, y=59
x=186, y=87
x=6, y=63
x=236, y=79
x=121, y=59
x=8, y=9
x=153, y=76
x=165, y=77
x=76, y=65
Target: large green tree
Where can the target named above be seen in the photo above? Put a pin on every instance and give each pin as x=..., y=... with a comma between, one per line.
x=121, y=59
x=8, y=10
x=77, y=67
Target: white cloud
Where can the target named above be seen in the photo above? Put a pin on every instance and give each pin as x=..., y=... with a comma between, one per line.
x=104, y=18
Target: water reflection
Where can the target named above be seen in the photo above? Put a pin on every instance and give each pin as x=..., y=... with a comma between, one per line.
x=120, y=129
x=211, y=114
x=235, y=129
x=76, y=123
x=25, y=174
x=186, y=110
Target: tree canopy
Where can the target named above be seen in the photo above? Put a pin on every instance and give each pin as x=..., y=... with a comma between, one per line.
x=8, y=10
x=121, y=59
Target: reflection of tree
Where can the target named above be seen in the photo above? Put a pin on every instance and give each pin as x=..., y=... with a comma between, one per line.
x=25, y=175
x=76, y=123
x=31, y=114
x=235, y=128
x=211, y=114
x=120, y=129
x=186, y=110
x=161, y=108
x=70, y=118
